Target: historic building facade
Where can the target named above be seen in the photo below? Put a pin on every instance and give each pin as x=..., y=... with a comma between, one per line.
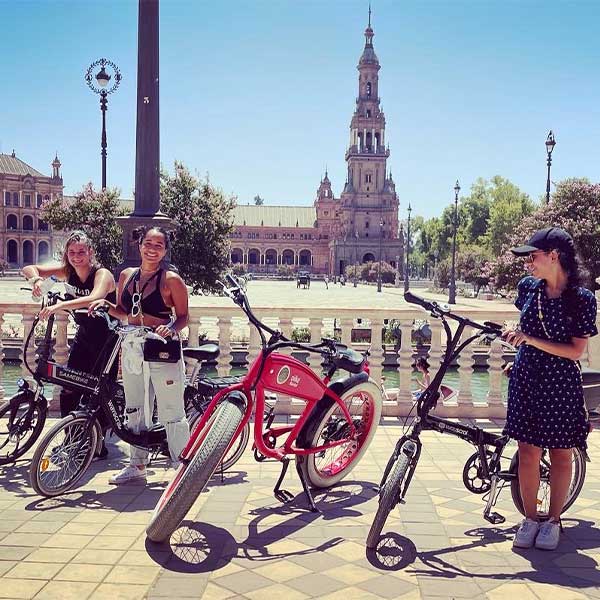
x=25, y=237
x=359, y=226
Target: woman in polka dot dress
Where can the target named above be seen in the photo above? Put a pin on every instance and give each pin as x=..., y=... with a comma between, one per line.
x=546, y=408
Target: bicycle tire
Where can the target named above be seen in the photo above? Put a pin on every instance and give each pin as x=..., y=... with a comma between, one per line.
x=577, y=479
x=190, y=479
x=44, y=456
x=40, y=412
x=238, y=447
x=388, y=498
x=325, y=473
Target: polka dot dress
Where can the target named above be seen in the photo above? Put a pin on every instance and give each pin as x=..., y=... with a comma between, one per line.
x=545, y=392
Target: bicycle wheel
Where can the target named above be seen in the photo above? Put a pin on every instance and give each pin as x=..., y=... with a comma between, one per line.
x=63, y=455
x=327, y=424
x=388, y=498
x=21, y=423
x=237, y=448
x=191, y=479
x=577, y=479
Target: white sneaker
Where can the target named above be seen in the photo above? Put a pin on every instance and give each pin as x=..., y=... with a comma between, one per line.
x=549, y=535
x=526, y=534
x=130, y=473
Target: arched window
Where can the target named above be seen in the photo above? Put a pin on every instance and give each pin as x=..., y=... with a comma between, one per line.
x=38, y=201
x=15, y=198
x=27, y=200
x=28, y=223
x=12, y=252
x=6, y=198
x=253, y=257
x=46, y=198
x=12, y=222
x=237, y=256
x=368, y=113
x=28, y=252
x=43, y=251
x=305, y=258
x=368, y=89
x=42, y=225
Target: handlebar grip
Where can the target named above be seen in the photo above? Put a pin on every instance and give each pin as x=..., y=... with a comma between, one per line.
x=493, y=325
x=413, y=299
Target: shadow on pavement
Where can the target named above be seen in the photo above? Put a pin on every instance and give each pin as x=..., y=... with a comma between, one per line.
x=201, y=547
x=565, y=566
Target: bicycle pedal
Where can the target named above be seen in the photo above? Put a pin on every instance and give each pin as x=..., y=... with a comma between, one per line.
x=284, y=496
x=494, y=518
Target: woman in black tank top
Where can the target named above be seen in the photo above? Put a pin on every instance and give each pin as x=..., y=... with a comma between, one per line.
x=85, y=282
x=152, y=296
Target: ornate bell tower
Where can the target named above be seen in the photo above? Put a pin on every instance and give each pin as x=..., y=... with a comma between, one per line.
x=368, y=204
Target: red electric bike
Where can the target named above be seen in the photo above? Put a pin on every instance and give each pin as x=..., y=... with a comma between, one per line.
x=328, y=439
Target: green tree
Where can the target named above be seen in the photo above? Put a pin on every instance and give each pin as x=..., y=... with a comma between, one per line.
x=203, y=219
x=574, y=206
x=93, y=212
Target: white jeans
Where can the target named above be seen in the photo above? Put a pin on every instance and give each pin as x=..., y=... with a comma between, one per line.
x=167, y=382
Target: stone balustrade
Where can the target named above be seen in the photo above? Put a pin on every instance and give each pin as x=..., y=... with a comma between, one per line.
x=229, y=326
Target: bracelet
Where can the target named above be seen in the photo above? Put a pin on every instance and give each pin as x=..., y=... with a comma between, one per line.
x=34, y=280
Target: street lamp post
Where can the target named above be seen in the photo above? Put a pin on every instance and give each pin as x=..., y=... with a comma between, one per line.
x=380, y=241
x=101, y=86
x=356, y=259
x=436, y=254
x=452, y=288
x=406, y=274
x=550, y=143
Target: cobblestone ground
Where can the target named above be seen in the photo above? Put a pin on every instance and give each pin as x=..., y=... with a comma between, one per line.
x=239, y=542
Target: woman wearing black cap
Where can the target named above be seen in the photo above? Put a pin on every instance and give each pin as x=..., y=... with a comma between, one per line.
x=546, y=408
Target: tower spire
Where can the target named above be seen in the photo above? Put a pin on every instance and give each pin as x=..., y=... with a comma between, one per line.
x=369, y=15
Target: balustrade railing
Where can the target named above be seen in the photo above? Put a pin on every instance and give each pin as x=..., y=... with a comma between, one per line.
x=227, y=326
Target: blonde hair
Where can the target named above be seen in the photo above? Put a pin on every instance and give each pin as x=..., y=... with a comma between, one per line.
x=76, y=237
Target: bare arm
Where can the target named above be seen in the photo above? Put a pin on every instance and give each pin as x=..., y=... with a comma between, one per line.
x=35, y=274
x=572, y=350
x=114, y=310
x=179, y=296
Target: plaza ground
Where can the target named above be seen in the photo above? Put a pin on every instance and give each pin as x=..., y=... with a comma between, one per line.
x=239, y=542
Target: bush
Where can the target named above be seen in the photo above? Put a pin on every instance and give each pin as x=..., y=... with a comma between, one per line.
x=301, y=334
x=286, y=272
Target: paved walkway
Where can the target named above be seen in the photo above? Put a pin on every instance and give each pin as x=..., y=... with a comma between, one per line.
x=239, y=542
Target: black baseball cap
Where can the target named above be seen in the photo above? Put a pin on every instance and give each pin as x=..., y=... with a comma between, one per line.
x=550, y=238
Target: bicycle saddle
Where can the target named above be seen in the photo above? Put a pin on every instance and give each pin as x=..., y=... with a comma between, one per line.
x=204, y=352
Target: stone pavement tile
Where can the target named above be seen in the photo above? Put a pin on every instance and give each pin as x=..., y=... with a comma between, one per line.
x=474, y=557
x=244, y=581
x=32, y=570
x=66, y=590
x=314, y=586
x=180, y=587
x=59, y=540
x=14, y=552
x=20, y=588
x=132, y=574
x=511, y=590
x=110, y=542
x=278, y=590
x=143, y=559
x=6, y=565
x=77, y=528
x=281, y=571
x=25, y=539
x=348, y=551
x=349, y=593
x=98, y=557
x=83, y=572
x=112, y=591
x=546, y=591
x=51, y=555
x=95, y=516
x=35, y=526
x=586, y=574
x=351, y=573
x=386, y=586
x=131, y=530
x=317, y=562
x=216, y=592
x=9, y=526
x=453, y=587
x=54, y=516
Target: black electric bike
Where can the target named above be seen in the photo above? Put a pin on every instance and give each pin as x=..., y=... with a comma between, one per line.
x=67, y=449
x=482, y=473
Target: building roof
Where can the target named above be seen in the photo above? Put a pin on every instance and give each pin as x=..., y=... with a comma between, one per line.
x=275, y=216
x=11, y=165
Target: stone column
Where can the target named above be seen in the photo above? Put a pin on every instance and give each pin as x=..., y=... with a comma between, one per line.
x=495, y=363
x=1, y=349
x=377, y=355
x=405, y=359
x=224, y=360
x=465, y=370
x=314, y=360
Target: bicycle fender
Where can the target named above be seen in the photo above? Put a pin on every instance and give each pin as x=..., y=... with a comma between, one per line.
x=236, y=397
x=343, y=385
x=26, y=396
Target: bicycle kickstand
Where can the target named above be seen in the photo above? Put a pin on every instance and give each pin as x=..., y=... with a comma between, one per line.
x=283, y=495
x=307, y=492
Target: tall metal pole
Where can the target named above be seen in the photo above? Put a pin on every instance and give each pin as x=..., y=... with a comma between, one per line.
x=380, y=241
x=452, y=288
x=550, y=143
x=356, y=259
x=406, y=274
x=103, y=107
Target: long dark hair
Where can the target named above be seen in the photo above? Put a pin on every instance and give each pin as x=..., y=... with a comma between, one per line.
x=76, y=237
x=141, y=232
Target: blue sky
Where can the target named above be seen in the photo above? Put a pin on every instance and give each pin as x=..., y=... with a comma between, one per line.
x=259, y=94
